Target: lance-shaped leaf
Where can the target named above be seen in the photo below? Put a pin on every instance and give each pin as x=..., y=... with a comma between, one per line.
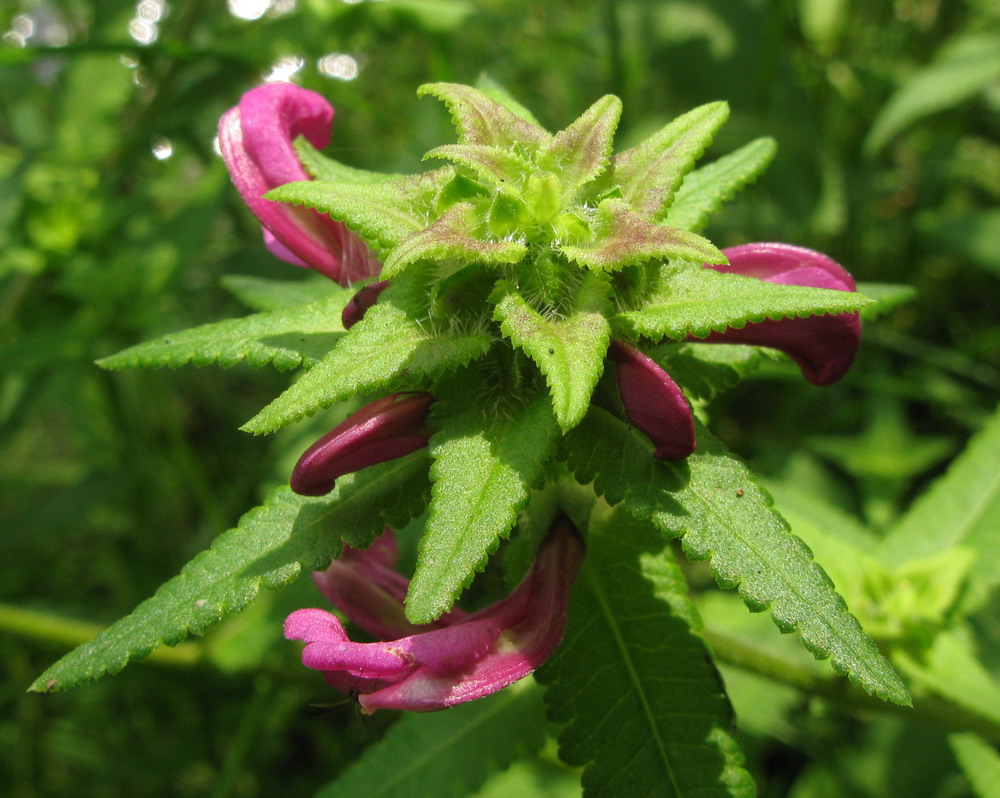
x=705, y=190
x=323, y=167
x=625, y=238
x=382, y=213
x=582, y=151
x=486, y=459
x=714, y=503
x=696, y=301
x=285, y=338
x=268, y=548
x=261, y=293
x=569, y=350
x=643, y=707
x=480, y=120
x=452, y=235
x=392, y=337
x=650, y=172
x=500, y=168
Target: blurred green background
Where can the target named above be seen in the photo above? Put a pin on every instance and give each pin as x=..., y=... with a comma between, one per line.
x=118, y=223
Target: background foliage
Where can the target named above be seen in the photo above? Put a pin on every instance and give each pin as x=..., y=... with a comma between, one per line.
x=118, y=224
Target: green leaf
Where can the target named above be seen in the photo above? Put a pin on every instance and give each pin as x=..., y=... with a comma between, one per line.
x=706, y=370
x=322, y=167
x=643, y=707
x=393, y=339
x=569, y=351
x=582, y=151
x=285, y=338
x=697, y=301
x=713, y=502
x=705, y=190
x=480, y=120
x=268, y=548
x=486, y=459
x=452, y=236
x=625, y=239
x=980, y=763
x=887, y=297
x=447, y=754
x=258, y=293
x=502, y=169
x=382, y=213
x=962, y=507
x=650, y=172
x=965, y=66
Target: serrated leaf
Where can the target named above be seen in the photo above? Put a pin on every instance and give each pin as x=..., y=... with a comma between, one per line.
x=582, y=151
x=447, y=754
x=643, y=705
x=452, y=236
x=713, y=502
x=262, y=294
x=382, y=213
x=285, y=338
x=322, y=167
x=705, y=190
x=887, y=297
x=569, y=351
x=697, y=301
x=502, y=169
x=980, y=763
x=962, y=507
x=486, y=460
x=650, y=172
x=965, y=66
x=393, y=338
x=706, y=370
x=625, y=239
x=495, y=91
x=480, y=120
x=268, y=548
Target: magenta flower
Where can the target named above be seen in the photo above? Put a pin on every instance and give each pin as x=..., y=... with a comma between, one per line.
x=256, y=138
x=355, y=310
x=823, y=346
x=381, y=430
x=464, y=657
x=653, y=402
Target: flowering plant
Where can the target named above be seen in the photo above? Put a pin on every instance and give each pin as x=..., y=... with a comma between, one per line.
x=541, y=331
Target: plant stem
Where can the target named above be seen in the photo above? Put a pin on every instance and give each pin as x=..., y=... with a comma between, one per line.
x=751, y=657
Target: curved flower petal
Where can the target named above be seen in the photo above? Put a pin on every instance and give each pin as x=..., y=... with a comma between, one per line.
x=472, y=657
x=358, y=305
x=382, y=430
x=256, y=139
x=823, y=346
x=653, y=402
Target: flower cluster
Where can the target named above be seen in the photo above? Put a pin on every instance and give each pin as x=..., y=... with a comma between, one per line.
x=559, y=242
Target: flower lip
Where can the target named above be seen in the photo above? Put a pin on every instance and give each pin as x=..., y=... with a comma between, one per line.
x=470, y=657
x=382, y=430
x=653, y=402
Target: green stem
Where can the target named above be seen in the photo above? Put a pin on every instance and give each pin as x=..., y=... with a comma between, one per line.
x=751, y=657
x=63, y=631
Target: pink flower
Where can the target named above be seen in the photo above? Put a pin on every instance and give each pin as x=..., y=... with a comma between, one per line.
x=462, y=657
x=355, y=310
x=653, y=402
x=381, y=430
x=256, y=138
x=823, y=346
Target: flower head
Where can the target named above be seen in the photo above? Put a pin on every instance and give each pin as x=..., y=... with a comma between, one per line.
x=460, y=657
x=257, y=141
